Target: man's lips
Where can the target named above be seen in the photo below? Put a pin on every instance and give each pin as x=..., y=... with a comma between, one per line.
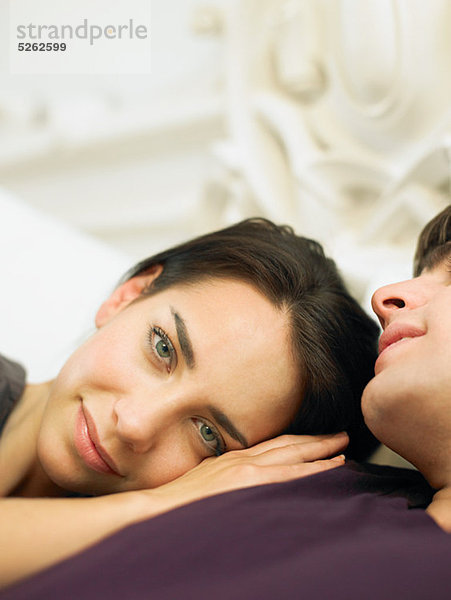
x=88, y=444
x=396, y=332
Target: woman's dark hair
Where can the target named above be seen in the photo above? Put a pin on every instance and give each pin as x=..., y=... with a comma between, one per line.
x=434, y=243
x=334, y=340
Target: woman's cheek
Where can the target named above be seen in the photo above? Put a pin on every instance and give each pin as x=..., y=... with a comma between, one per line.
x=96, y=363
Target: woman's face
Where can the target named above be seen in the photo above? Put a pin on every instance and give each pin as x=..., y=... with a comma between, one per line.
x=407, y=404
x=188, y=373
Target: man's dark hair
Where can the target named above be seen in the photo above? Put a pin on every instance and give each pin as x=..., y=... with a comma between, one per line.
x=334, y=340
x=434, y=243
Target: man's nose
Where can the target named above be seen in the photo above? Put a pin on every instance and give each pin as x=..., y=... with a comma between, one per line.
x=389, y=300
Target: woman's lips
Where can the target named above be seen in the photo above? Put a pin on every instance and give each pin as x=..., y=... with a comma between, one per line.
x=89, y=447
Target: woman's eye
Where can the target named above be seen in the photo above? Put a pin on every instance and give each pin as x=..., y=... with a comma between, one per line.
x=162, y=347
x=211, y=437
x=207, y=433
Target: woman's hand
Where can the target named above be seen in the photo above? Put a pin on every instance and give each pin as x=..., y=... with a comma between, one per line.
x=280, y=459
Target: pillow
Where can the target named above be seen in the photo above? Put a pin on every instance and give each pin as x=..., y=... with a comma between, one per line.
x=53, y=280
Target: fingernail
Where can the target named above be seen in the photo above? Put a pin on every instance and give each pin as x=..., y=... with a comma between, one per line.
x=342, y=433
x=339, y=458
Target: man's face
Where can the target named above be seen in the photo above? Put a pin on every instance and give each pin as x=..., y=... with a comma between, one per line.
x=167, y=381
x=407, y=405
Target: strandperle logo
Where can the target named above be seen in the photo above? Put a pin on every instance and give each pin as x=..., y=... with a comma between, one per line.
x=84, y=31
x=80, y=37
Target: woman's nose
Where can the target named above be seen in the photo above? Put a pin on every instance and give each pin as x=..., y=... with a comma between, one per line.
x=389, y=300
x=139, y=423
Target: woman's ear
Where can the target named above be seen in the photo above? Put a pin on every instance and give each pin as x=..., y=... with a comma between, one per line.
x=125, y=294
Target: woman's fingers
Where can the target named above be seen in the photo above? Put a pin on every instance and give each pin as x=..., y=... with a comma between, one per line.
x=325, y=445
x=303, y=452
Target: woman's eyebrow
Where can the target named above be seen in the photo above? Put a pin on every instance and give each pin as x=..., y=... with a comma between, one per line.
x=223, y=420
x=184, y=339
